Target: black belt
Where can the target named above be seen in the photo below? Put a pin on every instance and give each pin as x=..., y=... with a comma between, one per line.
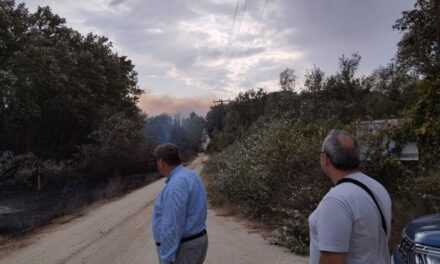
x=186, y=239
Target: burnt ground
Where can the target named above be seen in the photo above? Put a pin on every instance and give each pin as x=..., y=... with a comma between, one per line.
x=23, y=210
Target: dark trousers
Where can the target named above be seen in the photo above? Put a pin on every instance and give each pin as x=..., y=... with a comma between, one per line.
x=192, y=252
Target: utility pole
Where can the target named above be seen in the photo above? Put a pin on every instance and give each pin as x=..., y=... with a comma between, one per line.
x=221, y=102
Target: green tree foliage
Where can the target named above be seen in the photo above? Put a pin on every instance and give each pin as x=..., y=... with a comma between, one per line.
x=426, y=119
x=194, y=129
x=391, y=90
x=116, y=148
x=343, y=92
x=244, y=110
x=288, y=80
x=314, y=80
x=419, y=50
x=58, y=86
x=215, y=119
x=158, y=128
x=225, y=123
x=419, y=47
x=342, y=97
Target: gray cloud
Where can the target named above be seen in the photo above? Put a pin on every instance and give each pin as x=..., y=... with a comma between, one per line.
x=328, y=29
x=190, y=48
x=116, y=2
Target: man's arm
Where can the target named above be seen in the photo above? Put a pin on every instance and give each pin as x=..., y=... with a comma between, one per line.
x=332, y=258
x=173, y=220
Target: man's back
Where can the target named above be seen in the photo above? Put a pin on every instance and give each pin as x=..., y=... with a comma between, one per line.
x=197, y=202
x=186, y=186
x=180, y=212
x=348, y=221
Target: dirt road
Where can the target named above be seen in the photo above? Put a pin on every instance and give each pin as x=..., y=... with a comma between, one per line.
x=119, y=232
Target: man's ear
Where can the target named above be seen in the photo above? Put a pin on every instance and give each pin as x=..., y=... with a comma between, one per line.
x=327, y=160
x=163, y=164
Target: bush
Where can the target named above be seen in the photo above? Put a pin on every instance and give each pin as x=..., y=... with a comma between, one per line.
x=428, y=188
x=273, y=175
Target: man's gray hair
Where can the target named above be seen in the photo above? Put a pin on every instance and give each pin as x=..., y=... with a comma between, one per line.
x=342, y=149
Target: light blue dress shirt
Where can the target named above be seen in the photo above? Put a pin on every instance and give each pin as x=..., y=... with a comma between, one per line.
x=180, y=211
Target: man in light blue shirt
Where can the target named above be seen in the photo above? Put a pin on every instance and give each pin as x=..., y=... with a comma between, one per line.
x=180, y=211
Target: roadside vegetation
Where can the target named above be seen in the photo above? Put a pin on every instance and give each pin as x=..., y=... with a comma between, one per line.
x=70, y=129
x=265, y=146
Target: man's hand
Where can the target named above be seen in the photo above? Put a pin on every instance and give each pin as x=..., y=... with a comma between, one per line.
x=332, y=258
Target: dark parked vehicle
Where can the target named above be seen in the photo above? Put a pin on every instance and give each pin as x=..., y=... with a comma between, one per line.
x=420, y=242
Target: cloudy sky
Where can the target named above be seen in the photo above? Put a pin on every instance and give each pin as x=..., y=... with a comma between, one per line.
x=189, y=52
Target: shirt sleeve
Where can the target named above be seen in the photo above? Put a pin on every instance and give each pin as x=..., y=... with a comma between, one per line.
x=335, y=223
x=173, y=220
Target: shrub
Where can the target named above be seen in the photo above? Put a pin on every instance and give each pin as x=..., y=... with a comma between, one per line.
x=273, y=175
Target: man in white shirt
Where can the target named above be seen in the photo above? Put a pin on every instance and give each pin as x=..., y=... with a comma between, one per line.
x=352, y=223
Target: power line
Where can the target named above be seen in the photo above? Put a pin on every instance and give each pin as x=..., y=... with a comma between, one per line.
x=234, y=36
x=221, y=102
x=242, y=16
x=264, y=9
x=235, y=15
x=232, y=33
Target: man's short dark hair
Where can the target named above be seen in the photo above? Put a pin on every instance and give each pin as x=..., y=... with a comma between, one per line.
x=169, y=153
x=342, y=150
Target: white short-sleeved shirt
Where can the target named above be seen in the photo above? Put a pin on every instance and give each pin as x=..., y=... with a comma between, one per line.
x=347, y=221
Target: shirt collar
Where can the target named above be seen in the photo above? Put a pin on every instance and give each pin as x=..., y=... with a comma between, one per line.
x=174, y=171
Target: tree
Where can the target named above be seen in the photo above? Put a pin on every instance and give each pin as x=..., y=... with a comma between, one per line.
x=13, y=25
x=194, y=127
x=117, y=148
x=215, y=119
x=419, y=48
x=346, y=80
x=392, y=91
x=187, y=133
x=228, y=122
x=158, y=129
x=314, y=80
x=58, y=86
x=288, y=80
x=343, y=92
